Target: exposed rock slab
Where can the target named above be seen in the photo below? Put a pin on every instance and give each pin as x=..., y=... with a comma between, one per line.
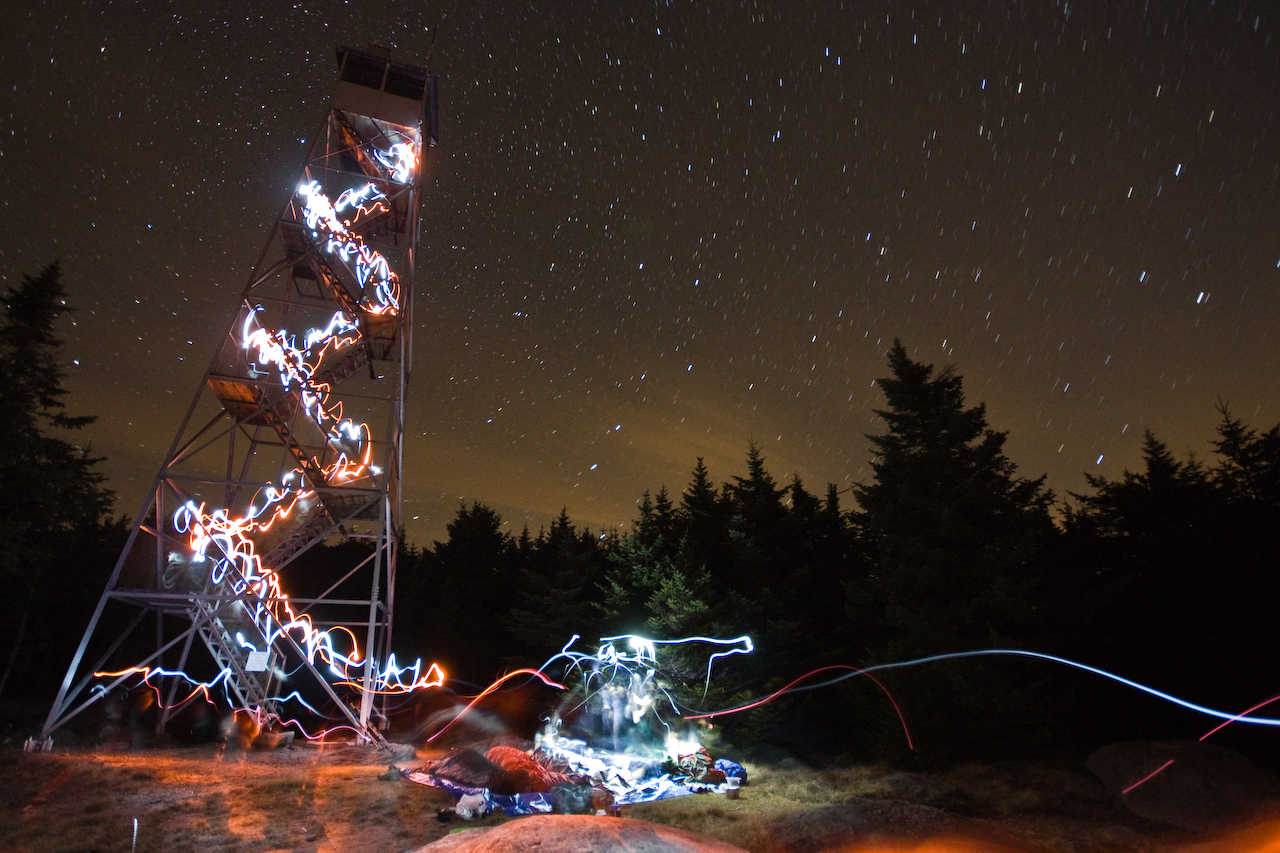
x=868, y=821
x=1190, y=785
x=917, y=788
x=577, y=834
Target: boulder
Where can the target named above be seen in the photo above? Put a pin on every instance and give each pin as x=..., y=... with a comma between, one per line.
x=1187, y=784
x=1017, y=787
x=577, y=834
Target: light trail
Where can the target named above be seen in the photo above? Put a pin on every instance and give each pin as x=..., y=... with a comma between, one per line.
x=392, y=678
x=323, y=218
x=1148, y=777
x=536, y=673
x=790, y=689
x=623, y=678
x=400, y=161
x=1203, y=737
x=226, y=541
x=1191, y=706
x=745, y=647
x=1228, y=718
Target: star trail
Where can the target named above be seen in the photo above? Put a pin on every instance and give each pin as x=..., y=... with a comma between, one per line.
x=654, y=232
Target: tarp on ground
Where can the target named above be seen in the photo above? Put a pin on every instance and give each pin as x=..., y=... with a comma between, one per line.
x=629, y=779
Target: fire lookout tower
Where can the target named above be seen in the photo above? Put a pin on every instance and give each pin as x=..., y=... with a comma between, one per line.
x=294, y=436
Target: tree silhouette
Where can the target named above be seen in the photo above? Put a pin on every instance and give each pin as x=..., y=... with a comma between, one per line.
x=756, y=524
x=1181, y=575
x=952, y=532
x=456, y=593
x=1249, y=470
x=557, y=590
x=949, y=521
x=52, y=499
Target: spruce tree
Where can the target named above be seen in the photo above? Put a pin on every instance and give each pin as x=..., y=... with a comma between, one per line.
x=557, y=591
x=950, y=522
x=53, y=504
x=952, y=532
x=1181, y=583
x=1249, y=470
x=461, y=590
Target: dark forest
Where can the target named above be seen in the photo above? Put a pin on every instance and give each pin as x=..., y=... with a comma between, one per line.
x=1164, y=576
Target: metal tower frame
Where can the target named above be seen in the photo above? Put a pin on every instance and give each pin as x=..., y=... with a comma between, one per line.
x=294, y=435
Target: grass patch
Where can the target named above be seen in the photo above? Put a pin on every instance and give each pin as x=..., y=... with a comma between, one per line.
x=774, y=793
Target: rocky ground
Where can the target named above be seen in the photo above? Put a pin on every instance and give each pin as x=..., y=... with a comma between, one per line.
x=311, y=798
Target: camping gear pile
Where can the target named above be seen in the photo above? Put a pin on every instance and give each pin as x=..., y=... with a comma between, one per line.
x=566, y=776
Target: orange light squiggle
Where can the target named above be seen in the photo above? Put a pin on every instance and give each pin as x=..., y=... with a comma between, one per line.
x=226, y=541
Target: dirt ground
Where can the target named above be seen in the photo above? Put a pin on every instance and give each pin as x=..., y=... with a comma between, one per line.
x=207, y=798
x=329, y=798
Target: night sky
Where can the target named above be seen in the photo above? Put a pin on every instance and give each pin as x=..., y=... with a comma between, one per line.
x=655, y=232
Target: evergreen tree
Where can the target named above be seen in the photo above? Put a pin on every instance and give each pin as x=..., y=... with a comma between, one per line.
x=757, y=527
x=1152, y=504
x=950, y=523
x=702, y=519
x=1182, y=577
x=657, y=525
x=818, y=553
x=952, y=533
x=458, y=592
x=653, y=588
x=557, y=591
x=1249, y=470
x=53, y=503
